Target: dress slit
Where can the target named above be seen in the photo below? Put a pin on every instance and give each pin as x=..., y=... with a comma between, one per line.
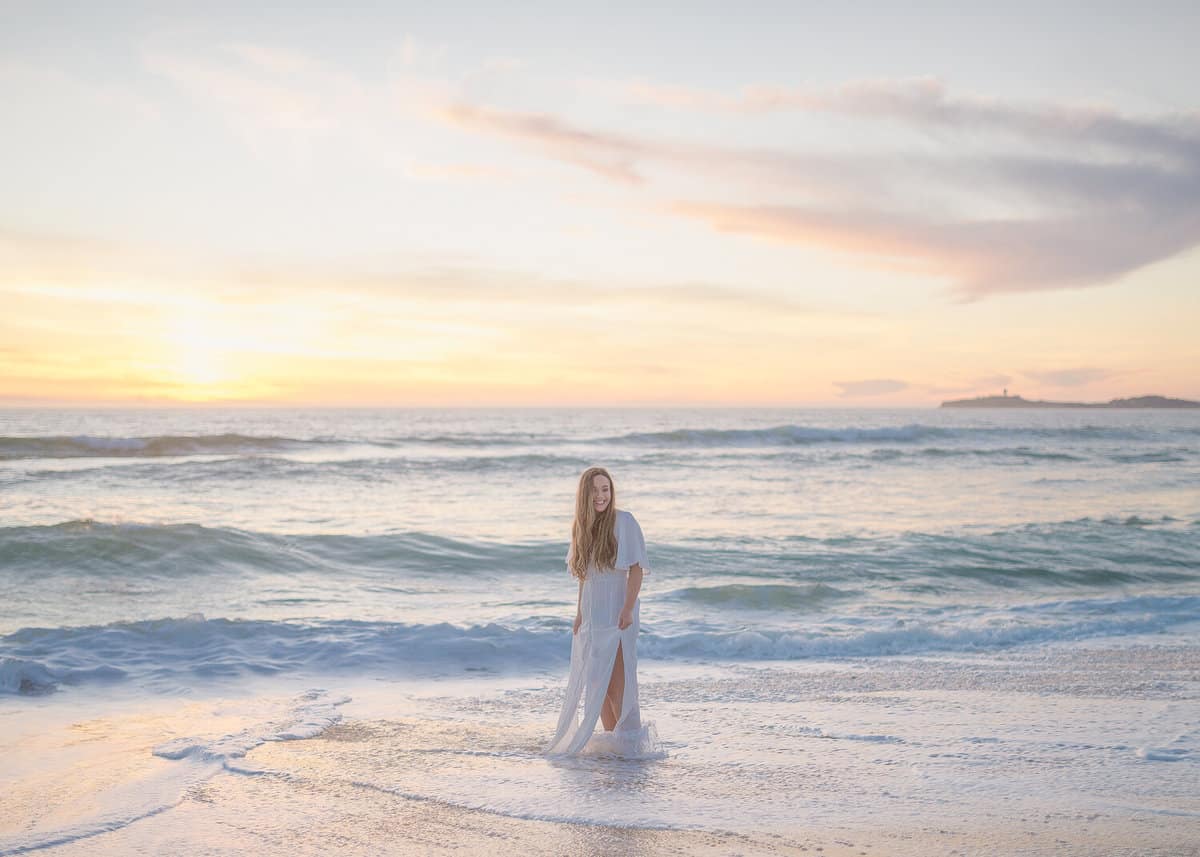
x=594, y=651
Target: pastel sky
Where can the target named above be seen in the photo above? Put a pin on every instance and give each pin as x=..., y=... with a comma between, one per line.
x=560, y=204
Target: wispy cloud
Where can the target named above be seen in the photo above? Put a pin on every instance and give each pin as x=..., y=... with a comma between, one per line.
x=986, y=383
x=455, y=331
x=871, y=387
x=281, y=101
x=981, y=258
x=1111, y=194
x=927, y=101
x=79, y=266
x=629, y=158
x=1001, y=197
x=610, y=155
x=1077, y=377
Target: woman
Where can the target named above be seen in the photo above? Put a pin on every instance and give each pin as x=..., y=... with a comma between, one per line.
x=608, y=556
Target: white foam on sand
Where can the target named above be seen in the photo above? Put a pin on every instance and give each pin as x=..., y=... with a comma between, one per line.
x=312, y=713
x=766, y=747
x=1017, y=741
x=117, y=785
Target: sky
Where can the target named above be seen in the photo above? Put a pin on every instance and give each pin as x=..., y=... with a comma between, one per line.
x=414, y=204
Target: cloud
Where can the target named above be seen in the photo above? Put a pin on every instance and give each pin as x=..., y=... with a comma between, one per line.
x=610, y=155
x=626, y=158
x=76, y=266
x=430, y=331
x=982, y=257
x=1094, y=195
x=873, y=387
x=419, y=53
x=282, y=92
x=1100, y=195
x=1078, y=377
x=926, y=101
x=278, y=100
x=281, y=101
x=985, y=383
x=991, y=381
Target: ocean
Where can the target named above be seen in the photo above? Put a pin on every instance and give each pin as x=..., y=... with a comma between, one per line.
x=899, y=615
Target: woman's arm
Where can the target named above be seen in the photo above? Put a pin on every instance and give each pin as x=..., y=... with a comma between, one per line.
x=632, y=588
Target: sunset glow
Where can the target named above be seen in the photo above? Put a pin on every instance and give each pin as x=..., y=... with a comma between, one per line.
x=238, y=209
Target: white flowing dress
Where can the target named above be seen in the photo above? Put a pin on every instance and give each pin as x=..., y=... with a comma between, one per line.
x=594, y=653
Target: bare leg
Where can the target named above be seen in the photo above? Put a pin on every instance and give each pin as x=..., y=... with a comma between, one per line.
x=606, y=715
x=610, y=712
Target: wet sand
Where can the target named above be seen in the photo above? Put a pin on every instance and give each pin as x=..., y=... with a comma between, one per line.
x=289, y=815
x=1084, y=751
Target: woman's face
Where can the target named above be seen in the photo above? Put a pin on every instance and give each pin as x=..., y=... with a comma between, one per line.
x=601, y=492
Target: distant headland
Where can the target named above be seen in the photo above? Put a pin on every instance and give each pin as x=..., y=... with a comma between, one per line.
x=1007, y=401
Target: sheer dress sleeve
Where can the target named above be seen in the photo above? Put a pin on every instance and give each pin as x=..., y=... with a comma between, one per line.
x=631, y=545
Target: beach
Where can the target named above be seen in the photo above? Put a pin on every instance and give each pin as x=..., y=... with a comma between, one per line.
x=1063, y=753
x=892, y=632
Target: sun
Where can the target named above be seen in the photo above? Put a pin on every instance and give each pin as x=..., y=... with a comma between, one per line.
x=199, y=361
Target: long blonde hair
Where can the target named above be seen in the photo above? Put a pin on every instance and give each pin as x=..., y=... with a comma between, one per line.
x=593, y=536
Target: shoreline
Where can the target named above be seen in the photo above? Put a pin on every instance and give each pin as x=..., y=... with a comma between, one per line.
x=1065, y=750
x=308, y=818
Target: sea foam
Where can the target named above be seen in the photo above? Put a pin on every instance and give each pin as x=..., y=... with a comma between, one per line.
x=173, y=654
